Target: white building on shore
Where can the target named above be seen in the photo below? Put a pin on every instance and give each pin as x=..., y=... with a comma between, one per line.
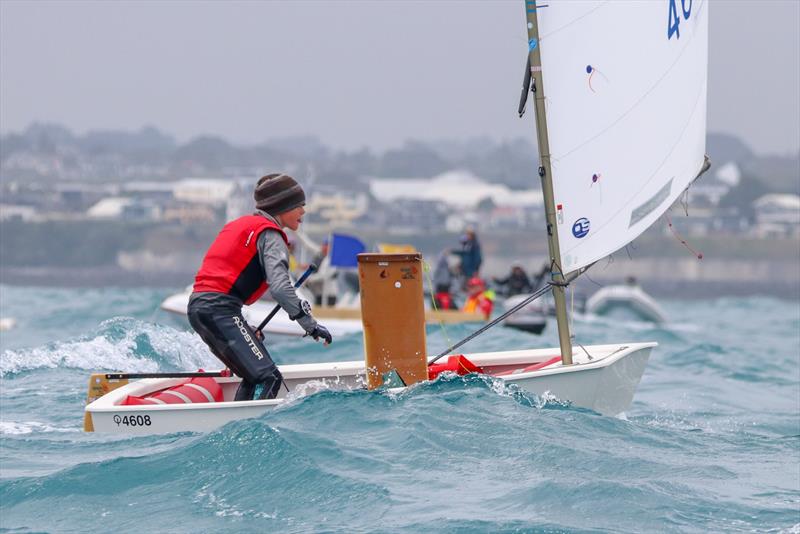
x=204, y=190
x=777, y=215
x=458, y=189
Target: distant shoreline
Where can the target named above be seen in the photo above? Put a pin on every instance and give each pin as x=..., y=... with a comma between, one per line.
x=117, y=277
x=120, y=256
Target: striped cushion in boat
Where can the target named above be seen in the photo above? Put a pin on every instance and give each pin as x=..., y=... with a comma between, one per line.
x=198, y=389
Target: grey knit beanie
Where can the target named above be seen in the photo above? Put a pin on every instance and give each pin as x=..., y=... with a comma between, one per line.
x=278, y=193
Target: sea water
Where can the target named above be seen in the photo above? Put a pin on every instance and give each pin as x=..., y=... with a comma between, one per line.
x=710, y=444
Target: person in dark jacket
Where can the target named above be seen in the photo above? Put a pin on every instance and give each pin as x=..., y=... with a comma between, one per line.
x=249, y=256
x=470, y=254
x=516, y=283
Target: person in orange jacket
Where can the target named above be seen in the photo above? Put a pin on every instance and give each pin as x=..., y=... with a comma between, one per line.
x=479, y=300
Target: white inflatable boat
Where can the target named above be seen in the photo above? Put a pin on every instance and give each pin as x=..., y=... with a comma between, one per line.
x=626, y=297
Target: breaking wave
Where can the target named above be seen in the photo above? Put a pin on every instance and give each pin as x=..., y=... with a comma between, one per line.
x=120, y=343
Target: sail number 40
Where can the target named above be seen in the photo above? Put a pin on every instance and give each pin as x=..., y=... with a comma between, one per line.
x=674, y=20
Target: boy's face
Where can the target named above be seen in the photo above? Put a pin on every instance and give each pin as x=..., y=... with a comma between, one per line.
x=291, y=219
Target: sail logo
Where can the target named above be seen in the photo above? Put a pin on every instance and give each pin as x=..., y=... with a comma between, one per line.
x=580, y=227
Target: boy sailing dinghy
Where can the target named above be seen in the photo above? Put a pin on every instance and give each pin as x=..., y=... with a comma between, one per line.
x=614, y=368
x=621, y=135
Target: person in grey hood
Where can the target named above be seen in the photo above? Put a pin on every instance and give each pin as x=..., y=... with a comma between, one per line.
x=249, y=256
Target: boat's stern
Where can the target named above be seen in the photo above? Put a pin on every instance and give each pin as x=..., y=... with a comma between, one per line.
x=110, y=410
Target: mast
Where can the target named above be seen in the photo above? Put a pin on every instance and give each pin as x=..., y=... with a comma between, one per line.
x=556, y=273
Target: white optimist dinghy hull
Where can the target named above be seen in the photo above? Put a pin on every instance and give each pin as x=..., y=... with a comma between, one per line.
x=605, y=383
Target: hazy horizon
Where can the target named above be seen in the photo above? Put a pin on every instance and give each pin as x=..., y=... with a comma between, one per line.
x=352, y=74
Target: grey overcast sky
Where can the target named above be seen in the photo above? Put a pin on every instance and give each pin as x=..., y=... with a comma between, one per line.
x=353, y=73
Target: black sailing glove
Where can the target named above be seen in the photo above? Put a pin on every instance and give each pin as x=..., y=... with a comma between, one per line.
x=320, y=332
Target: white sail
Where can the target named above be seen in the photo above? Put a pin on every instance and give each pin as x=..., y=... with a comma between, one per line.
x=625, y=89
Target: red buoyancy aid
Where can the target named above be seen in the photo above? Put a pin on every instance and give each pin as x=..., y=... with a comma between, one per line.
x=458, y=364
x=444, y=300
x=231, y=265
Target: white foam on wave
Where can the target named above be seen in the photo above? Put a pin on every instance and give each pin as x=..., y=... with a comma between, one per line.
x=325, y=384
x=28, y=427
x=498, y=386
x=222, y=508
x=97, y=353
x=503, y=388
x=110, y=350
x=672, y=419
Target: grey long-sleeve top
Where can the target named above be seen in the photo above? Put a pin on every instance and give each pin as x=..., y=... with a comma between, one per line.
x=274, y=257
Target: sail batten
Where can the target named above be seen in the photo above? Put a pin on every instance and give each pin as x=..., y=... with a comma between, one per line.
x=626, y=107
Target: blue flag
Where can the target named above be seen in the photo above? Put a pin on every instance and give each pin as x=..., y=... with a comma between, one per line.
x=344, y=249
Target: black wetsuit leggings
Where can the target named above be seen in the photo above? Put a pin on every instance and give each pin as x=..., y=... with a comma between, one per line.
x=221, y=325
